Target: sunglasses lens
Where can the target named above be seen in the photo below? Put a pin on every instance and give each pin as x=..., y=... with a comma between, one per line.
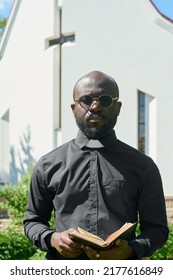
x=86, y=100
x=105, y=101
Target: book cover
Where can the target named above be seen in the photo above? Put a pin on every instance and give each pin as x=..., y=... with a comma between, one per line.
x=96, y=242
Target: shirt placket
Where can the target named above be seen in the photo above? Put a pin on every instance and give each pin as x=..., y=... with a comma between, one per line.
x=93, y=194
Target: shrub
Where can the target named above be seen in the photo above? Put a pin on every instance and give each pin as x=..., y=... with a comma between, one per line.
x=15, y=200
x=14, y=244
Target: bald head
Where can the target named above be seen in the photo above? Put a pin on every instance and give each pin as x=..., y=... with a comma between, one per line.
x=96, y=106
x=97, y=78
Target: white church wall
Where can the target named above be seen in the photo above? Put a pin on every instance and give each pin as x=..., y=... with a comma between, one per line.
x=123, y=39
x=26, y=75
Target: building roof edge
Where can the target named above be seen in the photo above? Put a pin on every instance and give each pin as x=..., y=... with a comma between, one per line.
x=8, y=27
x=164, y=16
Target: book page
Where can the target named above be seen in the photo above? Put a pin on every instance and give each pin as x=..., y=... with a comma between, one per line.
x=88, y=233
x=127, y=228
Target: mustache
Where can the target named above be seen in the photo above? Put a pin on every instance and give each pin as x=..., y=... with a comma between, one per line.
x=94, y=114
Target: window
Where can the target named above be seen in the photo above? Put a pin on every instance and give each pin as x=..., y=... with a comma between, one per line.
x=147, y=124
x=4, y=148
x=141, y=122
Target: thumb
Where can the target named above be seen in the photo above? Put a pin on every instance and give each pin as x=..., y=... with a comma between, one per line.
x=121, y=243
x=118, y=242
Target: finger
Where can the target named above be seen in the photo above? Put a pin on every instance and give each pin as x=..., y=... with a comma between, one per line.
x=67, y=251
x=91, y=253
x=75, y=244
x=71, y=243
x=70, y=255
x=121, y=243
x=69, y=247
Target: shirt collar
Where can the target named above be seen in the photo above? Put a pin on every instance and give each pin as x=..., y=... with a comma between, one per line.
x=108, y=141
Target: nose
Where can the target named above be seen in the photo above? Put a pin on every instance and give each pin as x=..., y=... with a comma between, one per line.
x=95, y=106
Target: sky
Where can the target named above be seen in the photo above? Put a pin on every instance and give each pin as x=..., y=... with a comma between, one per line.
x=5, y=7
x=164, y=6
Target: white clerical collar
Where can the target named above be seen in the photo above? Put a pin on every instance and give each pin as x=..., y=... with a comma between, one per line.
x=94, y=144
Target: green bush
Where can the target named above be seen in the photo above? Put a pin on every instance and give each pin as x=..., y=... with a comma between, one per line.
x=14, y=244
x=15, y=200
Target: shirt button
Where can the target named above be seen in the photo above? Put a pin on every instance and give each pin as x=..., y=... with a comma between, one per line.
x=93, y=159
x=92, y=181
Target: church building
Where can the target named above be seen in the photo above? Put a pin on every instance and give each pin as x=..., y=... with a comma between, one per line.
x=48, y=45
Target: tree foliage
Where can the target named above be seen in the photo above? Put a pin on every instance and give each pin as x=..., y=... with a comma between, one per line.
x=3, y=22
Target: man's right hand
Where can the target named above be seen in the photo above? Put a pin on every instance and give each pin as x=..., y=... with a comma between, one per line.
x=62, y=242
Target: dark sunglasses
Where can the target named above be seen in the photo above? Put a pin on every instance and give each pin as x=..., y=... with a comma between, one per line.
x=105, y=101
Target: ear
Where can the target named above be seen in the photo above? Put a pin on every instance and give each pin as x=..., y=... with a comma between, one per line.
x=118, y=107
x=73, y=107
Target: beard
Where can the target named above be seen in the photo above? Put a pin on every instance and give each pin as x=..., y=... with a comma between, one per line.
x=96, y=132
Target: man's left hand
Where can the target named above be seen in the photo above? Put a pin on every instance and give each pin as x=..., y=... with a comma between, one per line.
x=120, y=251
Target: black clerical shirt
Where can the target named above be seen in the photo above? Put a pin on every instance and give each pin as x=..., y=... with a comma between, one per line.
x=97, y=189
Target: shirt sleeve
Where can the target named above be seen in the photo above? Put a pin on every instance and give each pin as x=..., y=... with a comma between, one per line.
x=39, y=209
x=152, y=215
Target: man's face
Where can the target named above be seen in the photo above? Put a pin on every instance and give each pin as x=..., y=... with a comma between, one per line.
x=95, y=121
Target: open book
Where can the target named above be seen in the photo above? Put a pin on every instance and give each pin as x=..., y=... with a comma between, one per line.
x=95, y=241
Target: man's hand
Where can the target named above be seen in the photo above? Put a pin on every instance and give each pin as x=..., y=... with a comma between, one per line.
x=62, y=242
x=120, y=251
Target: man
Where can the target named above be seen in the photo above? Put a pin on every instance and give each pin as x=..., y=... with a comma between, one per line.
x=96, y=182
